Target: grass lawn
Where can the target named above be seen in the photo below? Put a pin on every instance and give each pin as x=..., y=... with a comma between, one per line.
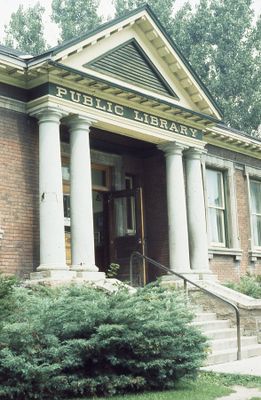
x=208, y=386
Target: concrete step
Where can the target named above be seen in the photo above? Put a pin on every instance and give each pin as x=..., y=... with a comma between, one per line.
x=231, y=343
x=229, y=355
x=205, y=316
x=223, y=339
x=221, y=333
x=211, y=325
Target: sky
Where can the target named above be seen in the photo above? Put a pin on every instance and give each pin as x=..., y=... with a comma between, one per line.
x=51, y=31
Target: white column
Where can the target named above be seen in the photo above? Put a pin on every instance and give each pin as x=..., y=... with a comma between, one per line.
x=82, y=231
x=177, y=215
x=198, y=239
x=52, y=240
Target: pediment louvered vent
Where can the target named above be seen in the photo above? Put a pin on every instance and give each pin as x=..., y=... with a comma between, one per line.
x=129, y=62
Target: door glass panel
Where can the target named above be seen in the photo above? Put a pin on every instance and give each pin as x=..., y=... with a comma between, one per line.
x=130, y=208
x=120, y=217
x=98, y=219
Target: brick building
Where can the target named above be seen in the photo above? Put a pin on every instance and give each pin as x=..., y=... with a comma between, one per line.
x=110, y=143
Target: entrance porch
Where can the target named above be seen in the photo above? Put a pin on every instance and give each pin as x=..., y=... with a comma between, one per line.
x=107, y=195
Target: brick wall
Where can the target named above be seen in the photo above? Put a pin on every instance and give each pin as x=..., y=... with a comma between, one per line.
x=19, y=248
x=18, y=193
x=226, y=267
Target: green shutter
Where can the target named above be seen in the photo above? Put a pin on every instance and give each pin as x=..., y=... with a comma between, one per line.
x=130, y=63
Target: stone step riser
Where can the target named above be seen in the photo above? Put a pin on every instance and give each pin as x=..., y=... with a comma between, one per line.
x=223, y=339
x=205, y=317
x=212, y=325
x=221, y=334
x=224, y=344
x=231, y=355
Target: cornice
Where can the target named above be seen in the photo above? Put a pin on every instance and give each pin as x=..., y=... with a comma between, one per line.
x=236, y=142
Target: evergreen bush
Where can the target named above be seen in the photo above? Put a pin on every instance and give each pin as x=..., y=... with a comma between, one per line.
x=249, y=285
x=7, y=284
x=80, y=341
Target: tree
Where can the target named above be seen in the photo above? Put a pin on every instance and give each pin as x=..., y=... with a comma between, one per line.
x=222, y=44
x=162, y=8
x=75, y=17
x=25, y=30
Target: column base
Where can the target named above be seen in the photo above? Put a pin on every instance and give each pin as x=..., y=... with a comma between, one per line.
x=52, y=267
x=194, y=276
x=66, y=276
x=54, y=274
x=84, y=268
x=90, y=275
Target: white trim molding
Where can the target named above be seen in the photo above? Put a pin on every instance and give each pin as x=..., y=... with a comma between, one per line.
x=233, y=240
x=12, y=104
x=252, y=173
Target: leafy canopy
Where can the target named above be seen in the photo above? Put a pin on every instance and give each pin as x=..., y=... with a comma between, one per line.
x=25, y=30
x=222, y=43
x=75, y=17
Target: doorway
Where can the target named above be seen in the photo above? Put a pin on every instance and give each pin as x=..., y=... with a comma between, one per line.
x=101, y=186
x=118, y=221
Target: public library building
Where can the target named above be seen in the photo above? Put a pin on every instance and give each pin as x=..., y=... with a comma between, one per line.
x=110, y=144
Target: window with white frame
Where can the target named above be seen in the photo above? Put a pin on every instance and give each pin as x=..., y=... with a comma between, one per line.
x=255, y=202
x=216, y=207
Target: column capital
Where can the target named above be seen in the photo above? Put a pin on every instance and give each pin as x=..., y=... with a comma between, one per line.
x=195, y=153
x=77, y=121
x=48, y=114
x=172, y=148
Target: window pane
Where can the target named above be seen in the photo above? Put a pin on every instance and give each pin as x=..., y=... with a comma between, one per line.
x=66, y=206
x=66, y=172
x=216, y=221
x=256, y=223
x=98, y=218
x=98, y=177
x=214, y=188
x=255, y=188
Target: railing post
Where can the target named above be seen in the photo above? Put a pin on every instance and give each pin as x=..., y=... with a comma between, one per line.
x=186, y=288
x=239, y=354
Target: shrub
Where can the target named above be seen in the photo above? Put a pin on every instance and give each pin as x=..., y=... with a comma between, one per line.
x=79, y=341
x=7, y=284
x=249, y=285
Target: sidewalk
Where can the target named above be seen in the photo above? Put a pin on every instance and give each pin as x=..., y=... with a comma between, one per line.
x=248, y=366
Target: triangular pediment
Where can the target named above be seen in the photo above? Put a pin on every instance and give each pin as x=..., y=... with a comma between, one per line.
x=134, y=54
x=130, y=63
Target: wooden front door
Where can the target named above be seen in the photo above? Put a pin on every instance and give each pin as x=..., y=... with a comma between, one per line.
x=126, y=231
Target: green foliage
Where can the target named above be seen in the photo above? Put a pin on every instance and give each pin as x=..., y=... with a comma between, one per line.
x=163, y=9
x=112, y=270
x=25, y=30
x=231, y=379
x=249, y=285
x=7, y=284
x=79, y=341
x=222, y=43
x=75, y=17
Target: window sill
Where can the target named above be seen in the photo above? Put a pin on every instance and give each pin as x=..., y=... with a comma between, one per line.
x=254, y=255
x=224, y=251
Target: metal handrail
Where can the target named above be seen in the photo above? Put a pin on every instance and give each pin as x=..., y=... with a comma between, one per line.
x=186, y=281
